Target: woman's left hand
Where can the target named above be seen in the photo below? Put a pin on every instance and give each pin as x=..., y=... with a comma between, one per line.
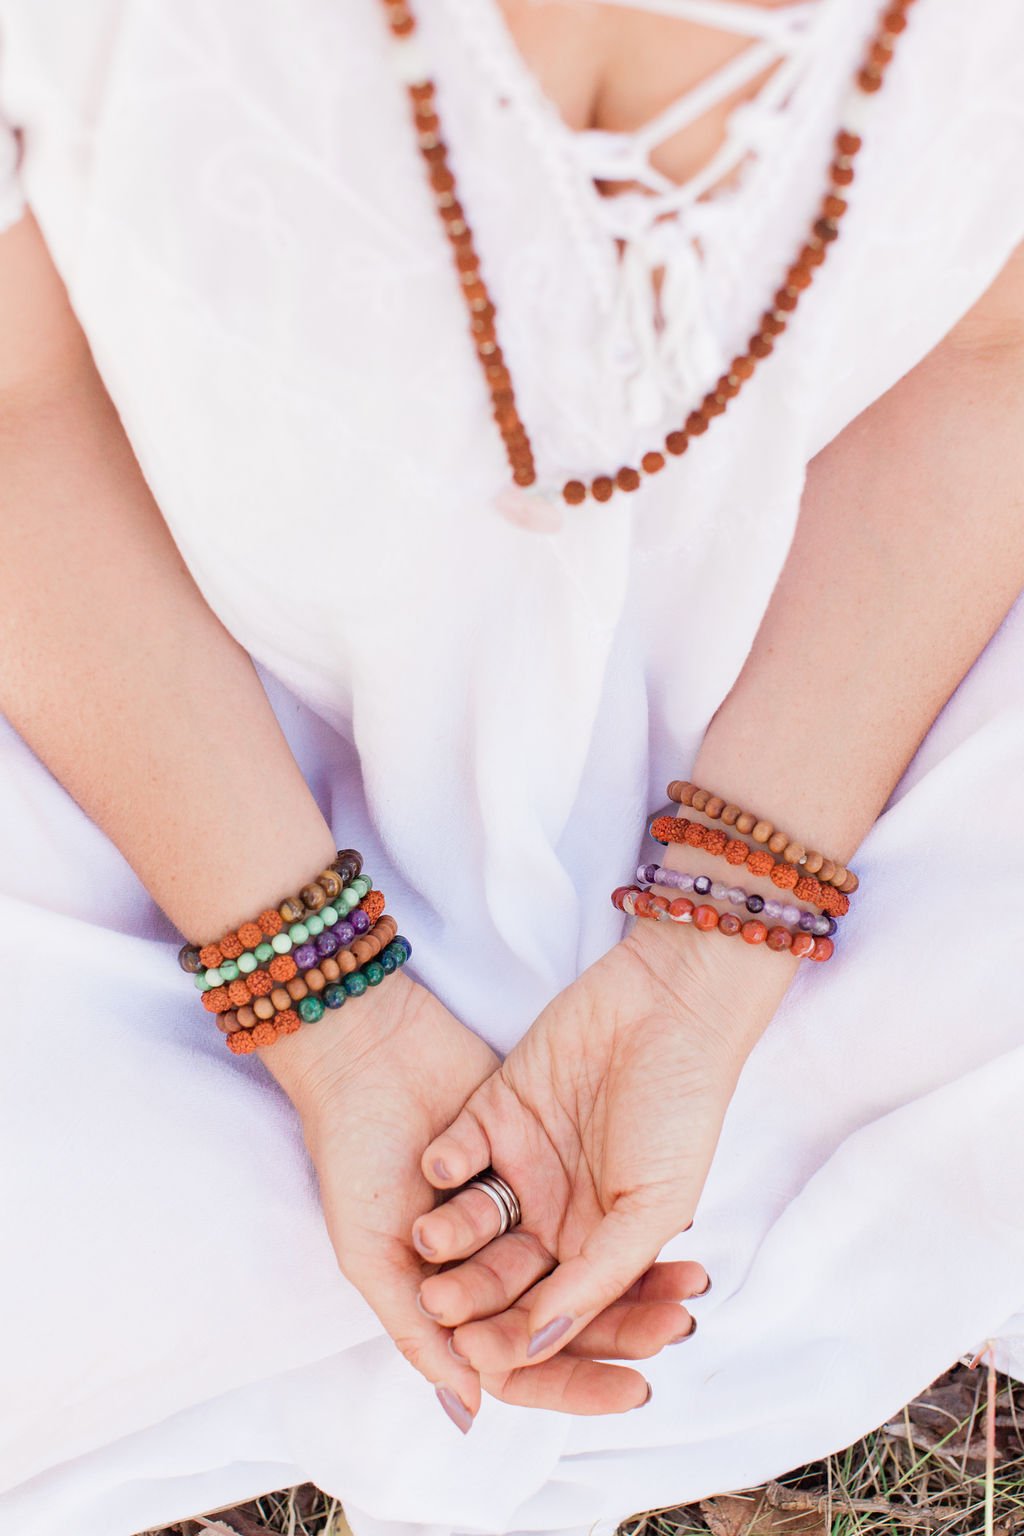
x=603, y=1119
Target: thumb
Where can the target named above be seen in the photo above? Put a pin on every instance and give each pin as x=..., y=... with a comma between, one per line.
x=623, y=1245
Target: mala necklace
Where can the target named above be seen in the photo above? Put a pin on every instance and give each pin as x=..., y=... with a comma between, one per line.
x=483, y=316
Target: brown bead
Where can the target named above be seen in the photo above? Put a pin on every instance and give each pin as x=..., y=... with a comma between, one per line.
x=826, y=871
x=314, y=896
x=652, y=462
x=246, y=1018
x=799, y=277
x=524, y=476
x=315, y=979
x=627, y=479
x=730, y=388
x=297, y=989
x=263, y=1008
x=712, y=405
x=848, y=143
x=346, y=961
x=686, y=791
x=742, y=367
x=714, y=807
x=762, y=831
x=467, y=261
x=696, y=423
x=730, y=925
x=330, y=968
x=330, y=883
x=454, y=213
x=833, y=206
x=360, y=951
x=880, y=53
x=841, y=174
x=601, y=489
x=402, y=24
x=761, y=346
x=677, y=442
x=441, y=178
x=812, y=255
x=826, y=229
x=280, y=999
x=772, y=324
x=292, y=910
x=745, y=823
x=729, y=814
x=894, y=21
x=786, y=299
x=777, y=842
x=574, y=491
x=433, y=152
x=700, y=799
x=850, y=884
x=227, y=1023
x=793, y=853
x=838, y=876
x=422, y=90
x=427, y=120
x=813, y=862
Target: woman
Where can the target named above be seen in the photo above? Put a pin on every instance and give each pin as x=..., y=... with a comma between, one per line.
x=265, y=592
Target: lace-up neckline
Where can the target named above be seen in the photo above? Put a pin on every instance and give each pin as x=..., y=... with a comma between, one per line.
x=646, y=245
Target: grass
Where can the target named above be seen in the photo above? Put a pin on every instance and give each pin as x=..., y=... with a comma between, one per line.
x=950, y=1464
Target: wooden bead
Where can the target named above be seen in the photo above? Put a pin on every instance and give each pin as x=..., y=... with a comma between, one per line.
x=652, y=462
x=696, y=423
x=841, y=174
x=730, y=388
x=837, y=877
x=280, y=999
x=263, y=1008
x=297, y=989
x=850, y=884
x=700, y=799
x=601, y=489
x=627, y=479
x=848, y=143
x=714, y=807
x=315, y=979
x=777, y=842
x=833, y=206
x=793, y=853
x=762, y=831
x=826, y=871
x=677, y=442
x=772, y=324
x=574, y=491
x=870, y=79
x=745, y=823
x=677, y=789
x=730, y=814
x=246, y=1018
x=347, y=962
x=813, y=862
x=742, y=367
x=330, y=968
x=360, y=951
x=761, y=346
x=227, y=1023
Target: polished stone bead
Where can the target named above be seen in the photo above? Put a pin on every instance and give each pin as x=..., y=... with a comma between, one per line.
x=754, y=932
x=329, y=915
x=779, y=938
x=719, y=891
x=334, y=995
x=388, y=961
x=298, y=933
x=327, y=944
x=344, y=933
x=305, y=956
x=247, y=962
x=401, y=939
x=374, y=972
x=264, y=952
x=821, y=925
x=702, y=885
x=755, y=903
x=281, y=943
x=359, y=920
x=705, y=918
x=201, y=982
x=833, y=927
x=807, y=922
x=315, y=924
x=213, y=977
x=737, y=895
x=310, y=1009
x=729, y=924
x=355, y=984
x=188, y=959
x=791, y=913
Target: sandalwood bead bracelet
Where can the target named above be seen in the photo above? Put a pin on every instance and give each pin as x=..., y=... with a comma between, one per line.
x=310, y=1008
x=706, y=918
x=327, y=887
x=677, y=829
x=821, y=926
x=715, y=808
x=292, y=992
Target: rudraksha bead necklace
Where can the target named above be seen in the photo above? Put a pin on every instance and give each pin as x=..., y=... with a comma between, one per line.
x=824, y=230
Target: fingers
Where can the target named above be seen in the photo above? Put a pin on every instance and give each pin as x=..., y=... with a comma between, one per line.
x=672, y=1280
x=458, y=1153
x=490, y=1281
x=633, y=1330
x=572, y=1386
x=455, y=1230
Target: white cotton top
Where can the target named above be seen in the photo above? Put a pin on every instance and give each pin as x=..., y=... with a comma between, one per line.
x=234, y=199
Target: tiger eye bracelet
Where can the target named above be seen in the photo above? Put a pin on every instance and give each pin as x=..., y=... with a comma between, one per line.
x=716, y=808
x=787, y=877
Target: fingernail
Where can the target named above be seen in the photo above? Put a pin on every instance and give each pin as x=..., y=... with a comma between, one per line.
x=422, y=1247
x=705, y=1290
x=462, y=1359
x=549, y=1334
x=681, y=1337
x=435, y=1317
x=441, y=1170
x=455, y=1408
x=650, y=1394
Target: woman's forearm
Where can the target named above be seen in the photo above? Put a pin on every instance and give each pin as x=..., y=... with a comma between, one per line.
x=908, y=554
x=112, y=666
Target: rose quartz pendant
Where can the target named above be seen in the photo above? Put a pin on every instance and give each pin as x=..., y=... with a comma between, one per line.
x=530, y=510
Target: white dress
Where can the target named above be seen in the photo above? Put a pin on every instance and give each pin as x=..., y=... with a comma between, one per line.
x=233, y=197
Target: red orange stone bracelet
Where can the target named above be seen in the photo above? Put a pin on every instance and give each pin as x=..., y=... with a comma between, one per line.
x=787, y=877
x=636, y=902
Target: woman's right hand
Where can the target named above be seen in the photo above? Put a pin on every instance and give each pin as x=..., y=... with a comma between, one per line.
x=374, y=1084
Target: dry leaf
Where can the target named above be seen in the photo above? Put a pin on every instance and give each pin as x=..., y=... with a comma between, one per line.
x=730, y=1515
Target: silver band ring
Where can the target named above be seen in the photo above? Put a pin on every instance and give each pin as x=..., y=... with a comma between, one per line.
x=503, y=1196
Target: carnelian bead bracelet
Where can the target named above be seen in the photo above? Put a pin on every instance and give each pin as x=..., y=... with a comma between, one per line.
x=677, y=829
x=706, y=919
x=796, y=280
x=715, y=808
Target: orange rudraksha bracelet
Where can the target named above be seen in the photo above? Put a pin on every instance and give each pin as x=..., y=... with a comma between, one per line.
x=786, y=877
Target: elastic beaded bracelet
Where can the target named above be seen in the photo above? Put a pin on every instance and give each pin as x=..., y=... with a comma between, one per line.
x=282, y=971
x=286, y=994
x=341, y=922
x=769, y=910
x=749, y=825
x=677, y=829
x=311, y=1008
x=705, y=918
x=328, y=886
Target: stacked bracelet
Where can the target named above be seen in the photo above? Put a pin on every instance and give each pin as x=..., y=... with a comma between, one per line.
x=312, y=951
x=715, y=808
x=705, y=918
x=768, y=909
x=677, y=829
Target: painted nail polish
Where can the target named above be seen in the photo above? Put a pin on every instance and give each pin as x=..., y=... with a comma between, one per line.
x=681, y=1338
x=462, y=1359
x=549, y=1334
x=455, y=1408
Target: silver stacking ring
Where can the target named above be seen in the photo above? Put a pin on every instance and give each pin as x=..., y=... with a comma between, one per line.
x=503, y=1196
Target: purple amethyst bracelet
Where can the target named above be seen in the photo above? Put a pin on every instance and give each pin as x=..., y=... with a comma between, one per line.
x=702, y=885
